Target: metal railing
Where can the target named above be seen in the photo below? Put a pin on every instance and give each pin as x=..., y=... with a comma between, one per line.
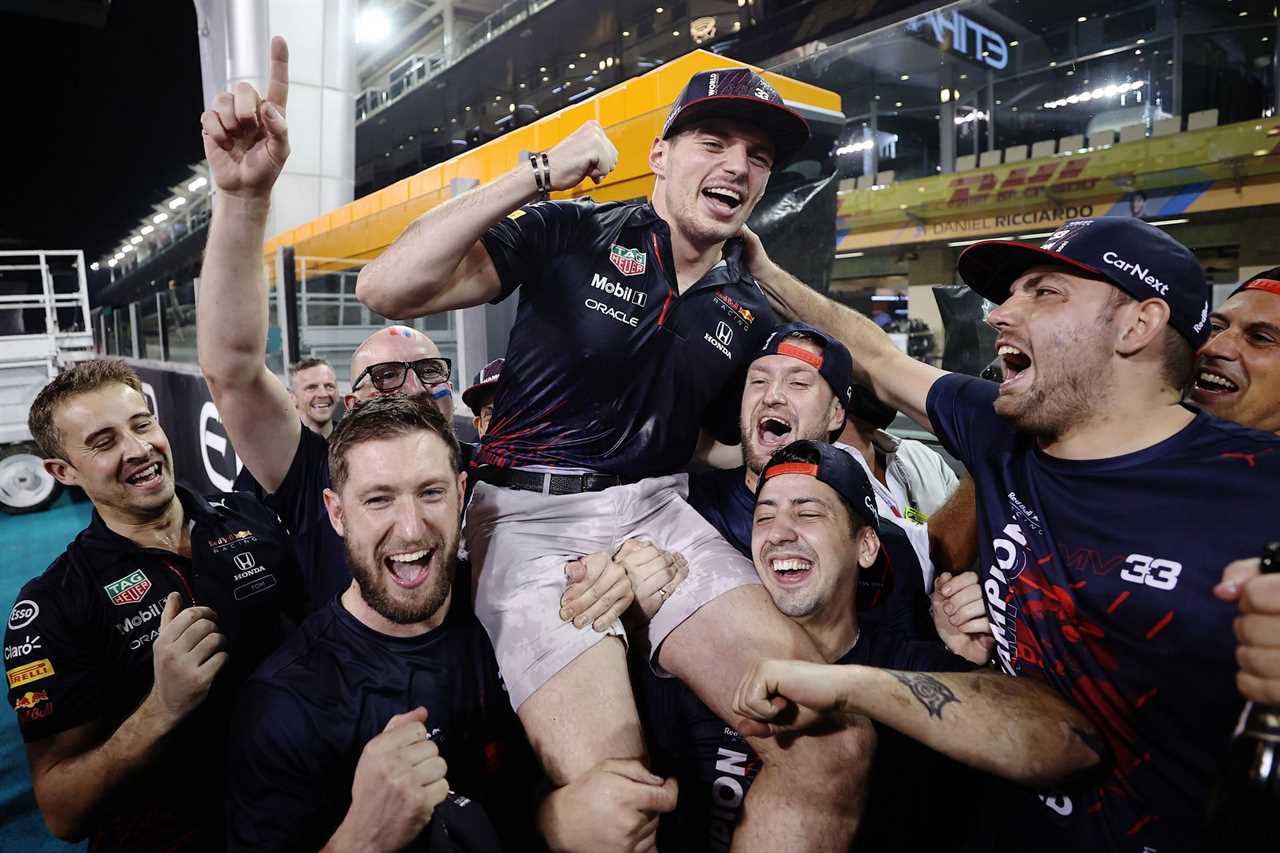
x=330, y=321
x=375, y=99
x=44, y=324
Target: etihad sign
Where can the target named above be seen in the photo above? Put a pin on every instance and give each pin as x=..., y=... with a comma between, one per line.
x=956, y=31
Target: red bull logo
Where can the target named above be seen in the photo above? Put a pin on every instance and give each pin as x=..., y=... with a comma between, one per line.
x=33, y=705
x=745, y=313
x=30, y=699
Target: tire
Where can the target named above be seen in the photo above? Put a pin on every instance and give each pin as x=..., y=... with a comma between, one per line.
x=24, y=484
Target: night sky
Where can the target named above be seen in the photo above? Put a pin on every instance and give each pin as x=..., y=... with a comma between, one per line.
x=98, y=122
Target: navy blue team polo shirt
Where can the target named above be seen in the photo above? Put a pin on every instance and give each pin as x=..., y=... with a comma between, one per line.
x=1099, y=579
x=78, y=651
x=609, y=368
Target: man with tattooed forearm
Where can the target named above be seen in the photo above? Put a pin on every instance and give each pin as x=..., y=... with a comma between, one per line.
x=814, y=531
x=1018, y=729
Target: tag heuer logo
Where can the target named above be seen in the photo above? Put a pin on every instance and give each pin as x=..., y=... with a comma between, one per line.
x=628, y=261
x=130, y=589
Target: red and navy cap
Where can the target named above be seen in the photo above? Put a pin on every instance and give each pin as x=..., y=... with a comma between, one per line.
x=740, y=93
x=482, y=383
x=830, y=465
x=834, y=363
x=1268, y=282
x=1138, y=258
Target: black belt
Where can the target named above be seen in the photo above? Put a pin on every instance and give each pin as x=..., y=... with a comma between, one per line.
x=547, y=484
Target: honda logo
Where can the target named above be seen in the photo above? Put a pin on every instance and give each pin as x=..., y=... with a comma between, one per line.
x=723, y=333
x=245, y=561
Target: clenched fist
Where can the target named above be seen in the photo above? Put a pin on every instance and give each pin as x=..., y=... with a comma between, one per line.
x=399, y=781
x=587, y=152
x=1257, y=628
x=186, y=655
x=246, y=137
x=960, y=616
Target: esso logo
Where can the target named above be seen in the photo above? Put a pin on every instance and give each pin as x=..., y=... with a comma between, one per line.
x=23, y=614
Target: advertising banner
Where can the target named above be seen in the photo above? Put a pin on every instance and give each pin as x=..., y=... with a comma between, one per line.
x=1220, y=168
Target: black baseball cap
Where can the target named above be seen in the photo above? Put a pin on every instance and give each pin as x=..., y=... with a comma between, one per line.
x=834, y=363
x=485, y=379
x=740, y=93
x=1268, y=281
x=1138, y=258
x=834, y=467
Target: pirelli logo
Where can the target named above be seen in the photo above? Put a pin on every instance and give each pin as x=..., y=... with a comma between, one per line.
x=29, y=672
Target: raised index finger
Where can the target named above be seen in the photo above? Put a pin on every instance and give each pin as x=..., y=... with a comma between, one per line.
x=278, y=82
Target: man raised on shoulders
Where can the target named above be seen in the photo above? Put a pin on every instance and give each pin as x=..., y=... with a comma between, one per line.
x=246, y=140
x=634, y=324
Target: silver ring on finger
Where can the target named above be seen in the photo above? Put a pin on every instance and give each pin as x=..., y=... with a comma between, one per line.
x=662, y=593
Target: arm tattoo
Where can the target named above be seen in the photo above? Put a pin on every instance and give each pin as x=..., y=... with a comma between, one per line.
x=929, y=691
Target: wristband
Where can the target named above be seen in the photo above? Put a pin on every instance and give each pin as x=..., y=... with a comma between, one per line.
x=546, y=174
x=540, y=180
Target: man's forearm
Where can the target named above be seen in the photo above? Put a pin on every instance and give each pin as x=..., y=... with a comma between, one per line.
x=953, y=531
x=1015, y=728
x=419, y=265
x=231, y=320
x=797, y=301
x=71, y=791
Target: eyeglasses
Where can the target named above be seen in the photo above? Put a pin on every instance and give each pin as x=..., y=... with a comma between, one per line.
x=391, y=375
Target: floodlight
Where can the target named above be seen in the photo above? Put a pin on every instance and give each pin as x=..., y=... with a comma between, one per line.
x=372, y=26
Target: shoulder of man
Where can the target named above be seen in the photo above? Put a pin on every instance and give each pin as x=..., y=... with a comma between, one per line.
x=68, y=588
x=1233, y=446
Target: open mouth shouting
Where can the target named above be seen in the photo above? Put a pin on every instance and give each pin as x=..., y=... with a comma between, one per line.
x=1016, y=364
x=722, y=201
x=773, y=431
x=409, y=569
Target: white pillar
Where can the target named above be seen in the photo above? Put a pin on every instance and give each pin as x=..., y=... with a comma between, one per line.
x=320, y=173
x=446, y=30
